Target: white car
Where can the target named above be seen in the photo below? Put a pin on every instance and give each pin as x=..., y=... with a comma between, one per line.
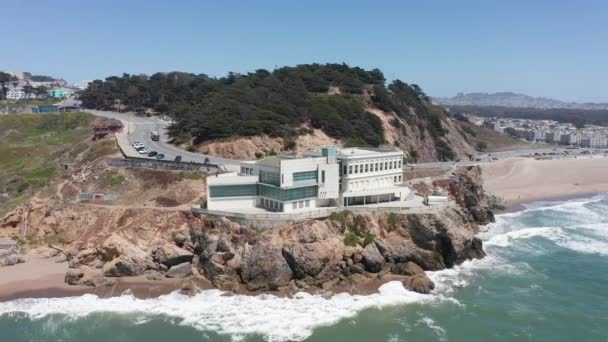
x=142, y=151
x=137, y=145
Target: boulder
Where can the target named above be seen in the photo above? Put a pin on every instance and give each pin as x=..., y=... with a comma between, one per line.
x=189, y=288
x=372, y=259
x=307, y=258
x=419, y=283
x=73, y=276
x=10, y=259
x=182, y=270
x=171, y=255
x=264, y=267
x=124, y=267
x=406, y=268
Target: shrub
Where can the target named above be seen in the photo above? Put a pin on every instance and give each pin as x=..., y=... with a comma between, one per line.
x=351, y=239
x=369, y=238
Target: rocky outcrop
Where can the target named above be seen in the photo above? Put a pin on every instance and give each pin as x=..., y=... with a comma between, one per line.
x=182, y=270
x=466, y=189
x=10, y=257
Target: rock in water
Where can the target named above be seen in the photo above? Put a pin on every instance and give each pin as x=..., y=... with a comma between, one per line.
x=420, y=283
x=180, y=271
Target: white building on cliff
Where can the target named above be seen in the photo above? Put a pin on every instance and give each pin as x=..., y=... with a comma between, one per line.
x=327, y=178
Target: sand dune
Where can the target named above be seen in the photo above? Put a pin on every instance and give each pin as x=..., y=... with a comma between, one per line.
x=521, y=180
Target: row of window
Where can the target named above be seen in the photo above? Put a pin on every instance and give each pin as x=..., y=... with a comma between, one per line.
x=374, y=183
x=305, y=175
x=371, y=167
x=287, y=194
x=268, y=191
x=237, y=190
x=300, y=204
x=267, y=177
x=272, y=205
x=246, y=170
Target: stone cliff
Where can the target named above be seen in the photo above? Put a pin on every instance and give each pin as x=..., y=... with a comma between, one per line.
x=343, y=251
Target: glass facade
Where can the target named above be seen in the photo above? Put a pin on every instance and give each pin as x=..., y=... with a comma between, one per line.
x=287, y=194
x=273, y=178
x=233, y=190
x=305, y=175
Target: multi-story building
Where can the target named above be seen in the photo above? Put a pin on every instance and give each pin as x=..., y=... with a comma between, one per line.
x=326, y=178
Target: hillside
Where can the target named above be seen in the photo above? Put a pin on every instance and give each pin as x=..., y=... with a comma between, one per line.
x=509, y=99
x=286, y=110
x=578, y=117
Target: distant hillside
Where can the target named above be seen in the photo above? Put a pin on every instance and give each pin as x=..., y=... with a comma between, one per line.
x=578, y=117
x=285, y=109
x=508, y=99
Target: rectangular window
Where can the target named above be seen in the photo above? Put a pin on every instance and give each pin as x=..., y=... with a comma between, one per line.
x=399, y=164
x=323, y=176
x=376, y=168
x=301, y=204
x=386, y=165
x=390, y=165
x=307, y=203
x=395, y=179
x=288, y=194
x=344, y=168
x=350, y=169
x=294, y=205
x=272, y=178
x=233, y=190
x=381, y=166
x=282, y=178
x=305, y=175
x=356, y=168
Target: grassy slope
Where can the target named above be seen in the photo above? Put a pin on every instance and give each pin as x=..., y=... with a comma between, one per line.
x=33, y=148
x=495, y=141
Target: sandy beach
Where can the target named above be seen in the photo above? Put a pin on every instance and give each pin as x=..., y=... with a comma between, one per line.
x=523, y=180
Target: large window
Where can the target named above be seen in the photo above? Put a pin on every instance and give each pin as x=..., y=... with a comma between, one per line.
x=233, y=190
x=273, y=178
x=287, y=194
x=306, y=175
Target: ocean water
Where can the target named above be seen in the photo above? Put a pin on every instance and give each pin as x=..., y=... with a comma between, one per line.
x=545, y=279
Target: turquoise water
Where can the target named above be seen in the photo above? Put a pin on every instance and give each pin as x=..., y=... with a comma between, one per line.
x=545, y=279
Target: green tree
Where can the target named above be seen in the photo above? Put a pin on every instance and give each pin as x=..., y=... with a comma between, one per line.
x=481, y=146
x=28, y=90
x=41, y=91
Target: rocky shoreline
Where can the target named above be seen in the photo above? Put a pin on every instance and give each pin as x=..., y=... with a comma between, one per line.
x=345, y=252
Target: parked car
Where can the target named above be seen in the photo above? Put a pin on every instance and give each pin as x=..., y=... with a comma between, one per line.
x=137, y=145
x=178, y=159
x=143, y=151
x=160, y=156
x=152, y=154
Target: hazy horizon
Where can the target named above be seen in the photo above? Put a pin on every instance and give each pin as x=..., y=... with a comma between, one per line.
x=547, y=49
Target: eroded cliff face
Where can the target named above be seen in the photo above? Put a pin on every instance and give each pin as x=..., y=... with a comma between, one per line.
x=344, y=250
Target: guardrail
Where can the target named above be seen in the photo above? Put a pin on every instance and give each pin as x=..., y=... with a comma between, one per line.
x=166, y=165
x=313, y=213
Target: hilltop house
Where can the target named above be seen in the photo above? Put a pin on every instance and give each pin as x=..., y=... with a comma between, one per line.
x=329, y=177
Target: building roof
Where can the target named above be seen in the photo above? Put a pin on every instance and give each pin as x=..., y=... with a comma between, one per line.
x=365, y=152
x=273, y=161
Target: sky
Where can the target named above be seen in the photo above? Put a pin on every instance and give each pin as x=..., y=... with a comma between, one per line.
x=556, y=48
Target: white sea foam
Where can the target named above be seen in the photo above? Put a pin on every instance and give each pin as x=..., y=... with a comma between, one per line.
x=278, y=319
x=437, y=330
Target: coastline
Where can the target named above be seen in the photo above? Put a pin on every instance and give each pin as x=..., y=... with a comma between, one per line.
x=518, y=181
x=43, y=277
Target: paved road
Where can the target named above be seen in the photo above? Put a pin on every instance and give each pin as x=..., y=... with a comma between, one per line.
x=550, y=152
x=138, y=128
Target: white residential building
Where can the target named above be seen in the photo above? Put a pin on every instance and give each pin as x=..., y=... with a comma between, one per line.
x=327, y=178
